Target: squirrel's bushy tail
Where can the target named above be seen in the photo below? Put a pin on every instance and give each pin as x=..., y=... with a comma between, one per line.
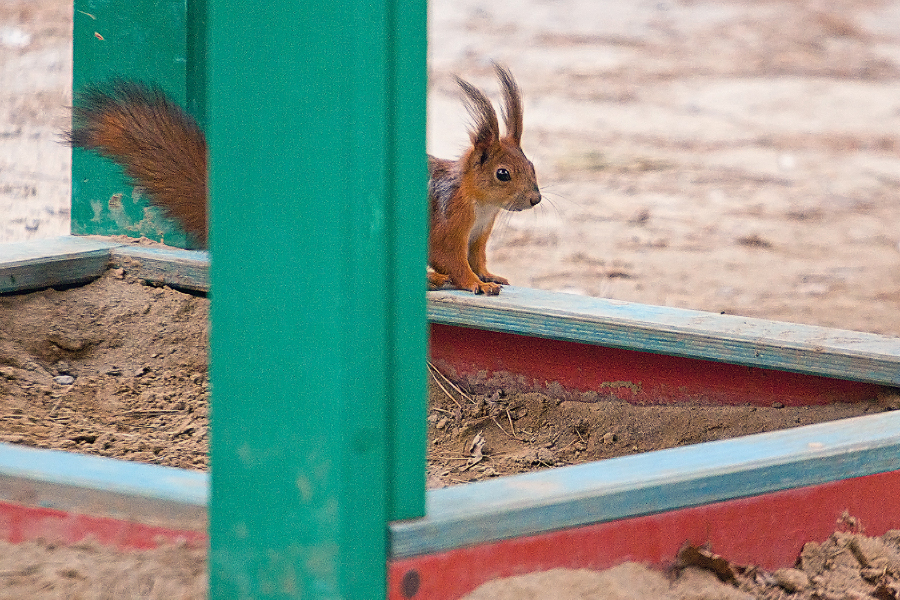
x=160, y=147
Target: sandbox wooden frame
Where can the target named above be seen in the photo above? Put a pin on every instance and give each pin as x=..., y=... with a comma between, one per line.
x=756, y=498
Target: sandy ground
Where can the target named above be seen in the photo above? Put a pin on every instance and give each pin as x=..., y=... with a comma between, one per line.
x=114, y=368
x=119, y=369
x=42, y=570
x=738, y=157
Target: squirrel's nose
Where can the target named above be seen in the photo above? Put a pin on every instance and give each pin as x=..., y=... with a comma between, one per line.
x=535, y=198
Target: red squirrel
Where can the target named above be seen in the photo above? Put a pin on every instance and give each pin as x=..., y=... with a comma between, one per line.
x=163, y=150
x=466, y=195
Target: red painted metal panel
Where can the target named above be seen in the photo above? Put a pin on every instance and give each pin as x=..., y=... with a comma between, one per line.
x=20, y=523
x=485, y=358
x=767, y=530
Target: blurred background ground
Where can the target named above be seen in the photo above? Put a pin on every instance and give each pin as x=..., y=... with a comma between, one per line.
x=35, y=93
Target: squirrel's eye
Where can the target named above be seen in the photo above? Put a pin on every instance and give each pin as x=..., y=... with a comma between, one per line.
x=503, y=175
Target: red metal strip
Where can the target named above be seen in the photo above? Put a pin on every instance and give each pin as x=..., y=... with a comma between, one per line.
x=484, y=359
x=767, y=530
x=20, y=523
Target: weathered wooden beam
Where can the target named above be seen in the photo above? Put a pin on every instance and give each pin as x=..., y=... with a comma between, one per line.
x=104, y=487
x=52, y=262
x=185, y=269
x=694, y=334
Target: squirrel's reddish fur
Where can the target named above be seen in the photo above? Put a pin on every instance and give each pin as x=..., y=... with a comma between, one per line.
x=163, y=150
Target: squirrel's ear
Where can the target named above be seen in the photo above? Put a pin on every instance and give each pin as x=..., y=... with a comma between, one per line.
x=512, y=111
x=486, y=130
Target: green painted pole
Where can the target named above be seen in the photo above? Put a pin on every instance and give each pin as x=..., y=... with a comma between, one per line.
x=316, y=129
x=407, y=250
x=143, y=40
x=195, y=53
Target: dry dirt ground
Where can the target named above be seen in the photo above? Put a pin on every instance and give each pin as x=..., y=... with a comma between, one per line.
x=724, y=156
x=35, y=89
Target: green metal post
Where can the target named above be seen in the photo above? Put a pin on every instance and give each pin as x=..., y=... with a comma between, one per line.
x=195, y=53
x=316, y=131
x=407, y=37
x=144, y=40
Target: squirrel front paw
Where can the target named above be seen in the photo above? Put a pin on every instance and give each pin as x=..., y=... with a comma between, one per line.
x=486, y=287
x=470, y=283
x=488, y=277
x=437, y=280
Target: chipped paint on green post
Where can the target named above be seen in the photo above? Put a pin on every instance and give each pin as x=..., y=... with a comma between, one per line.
x=144, y=40
x=318, y=177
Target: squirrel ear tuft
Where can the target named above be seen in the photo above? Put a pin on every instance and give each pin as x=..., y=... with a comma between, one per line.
x=486, y=129
x=512, y=110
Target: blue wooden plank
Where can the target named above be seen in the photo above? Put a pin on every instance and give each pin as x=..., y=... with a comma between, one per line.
x=71, y=260
x=650, y=483
x=188, y=269
x=57, y=261
x=103, y=486
x=733, y=339
x=101, y=473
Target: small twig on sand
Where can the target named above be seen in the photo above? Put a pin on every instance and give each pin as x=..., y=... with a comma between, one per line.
x=148, y=413
x=500, y=427
x=511, y=426
x=436, y=373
